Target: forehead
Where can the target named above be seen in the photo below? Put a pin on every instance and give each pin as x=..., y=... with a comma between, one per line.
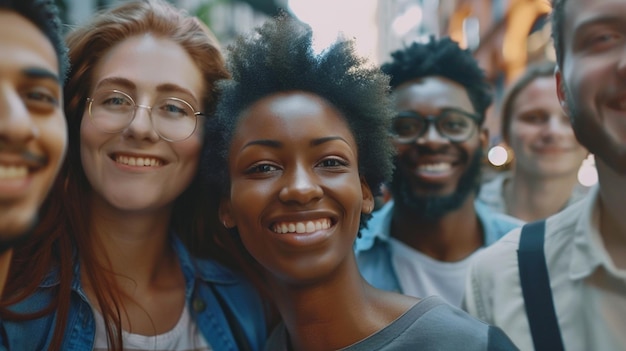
x=293, y=115
x=23, y=45
x=578, y=13
x=540, y=88
x=431, y=94
x=141, y=59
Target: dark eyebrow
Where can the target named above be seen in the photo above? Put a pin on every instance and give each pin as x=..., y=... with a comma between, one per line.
x=320, y=141
x=278, y=144
x=41, y=73
x=264, y=142
x=608, y=19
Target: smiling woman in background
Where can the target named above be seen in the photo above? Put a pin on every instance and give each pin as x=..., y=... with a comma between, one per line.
x=107, y=268
x=544, y=178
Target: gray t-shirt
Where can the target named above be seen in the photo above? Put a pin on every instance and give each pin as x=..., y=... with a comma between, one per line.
x=431, y=324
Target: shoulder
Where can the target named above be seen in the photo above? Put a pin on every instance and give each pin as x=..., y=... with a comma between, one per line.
x=491, y=193
x=377, y=228
x=499, y=251
x=493, y=271
x=470, y=333
x=495, y=225
x=277, y=340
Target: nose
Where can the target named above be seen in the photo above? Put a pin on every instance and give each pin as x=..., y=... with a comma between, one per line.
x=301, y=186
x=16, y=122
x=621, y=61
x=141, y=126
x=431, y=136
x=559, y=124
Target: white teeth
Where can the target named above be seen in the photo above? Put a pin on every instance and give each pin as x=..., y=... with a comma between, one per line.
x=302, y=227
x=435, y=167
x=138, y=161
x=310, y=227
x=13, y=172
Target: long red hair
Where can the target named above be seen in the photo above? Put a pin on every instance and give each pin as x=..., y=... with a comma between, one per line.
x=62, y=236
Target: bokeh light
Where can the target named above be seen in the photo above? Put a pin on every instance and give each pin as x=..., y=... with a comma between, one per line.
x=498, y=156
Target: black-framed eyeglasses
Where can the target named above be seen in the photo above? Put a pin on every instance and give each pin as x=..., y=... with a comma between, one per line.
x=172, y=118
x=454, y=124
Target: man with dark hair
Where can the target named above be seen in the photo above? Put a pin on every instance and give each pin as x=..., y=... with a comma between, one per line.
x=33, y=134
x=422, y=241
x=569, y=290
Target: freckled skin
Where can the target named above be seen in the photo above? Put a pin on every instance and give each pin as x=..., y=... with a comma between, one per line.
x=138, y=62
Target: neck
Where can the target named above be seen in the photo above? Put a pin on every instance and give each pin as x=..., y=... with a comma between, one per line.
x=530, y=198
x=134, y=243
x=612, y=219
x=5, y=261
x=333, y=312
x=450, y=238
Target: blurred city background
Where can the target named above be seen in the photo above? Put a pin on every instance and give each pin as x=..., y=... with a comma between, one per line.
x=504, y=35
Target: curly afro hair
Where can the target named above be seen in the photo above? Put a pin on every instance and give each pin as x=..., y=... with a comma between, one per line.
x=444, y=58
x=279, y=58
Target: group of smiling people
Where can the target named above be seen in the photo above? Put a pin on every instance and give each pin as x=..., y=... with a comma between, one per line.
x=213, y=204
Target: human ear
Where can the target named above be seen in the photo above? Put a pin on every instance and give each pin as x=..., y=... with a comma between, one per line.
x=484, y=139
x=560, y=90
x=368, y=198
x=225, y=213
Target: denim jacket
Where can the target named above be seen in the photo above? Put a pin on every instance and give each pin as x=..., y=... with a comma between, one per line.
x=202, y=279
x=374, y=255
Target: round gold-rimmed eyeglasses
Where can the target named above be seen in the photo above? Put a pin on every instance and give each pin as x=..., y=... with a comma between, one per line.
x=173, y=119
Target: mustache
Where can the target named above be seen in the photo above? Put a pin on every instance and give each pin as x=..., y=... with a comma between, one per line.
x=32, y=158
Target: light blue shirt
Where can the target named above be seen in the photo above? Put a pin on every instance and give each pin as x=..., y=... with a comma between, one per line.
x=373, y=251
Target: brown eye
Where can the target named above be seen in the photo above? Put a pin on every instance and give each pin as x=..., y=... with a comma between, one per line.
x=534, y=118
x=40, y=100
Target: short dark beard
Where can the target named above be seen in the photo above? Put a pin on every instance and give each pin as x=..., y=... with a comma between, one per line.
x=434, y=207
x=591, y=134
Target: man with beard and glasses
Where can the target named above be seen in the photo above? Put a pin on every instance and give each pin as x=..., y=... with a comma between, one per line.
x=33, y=63
x=575, y=261
x=422, y=241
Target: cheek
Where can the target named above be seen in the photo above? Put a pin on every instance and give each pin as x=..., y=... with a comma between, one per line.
x=405, y=151
x=90, y=139
x=53, y=131
x=188, y=151
x=246, y=202
x=521, y=135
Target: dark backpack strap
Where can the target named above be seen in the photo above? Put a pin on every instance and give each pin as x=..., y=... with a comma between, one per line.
x=535, y=281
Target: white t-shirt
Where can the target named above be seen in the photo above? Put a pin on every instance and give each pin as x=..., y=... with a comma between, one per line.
x=185, y=336
x=422, y=276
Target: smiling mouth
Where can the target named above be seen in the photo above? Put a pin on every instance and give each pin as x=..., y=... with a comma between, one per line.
x=435, y=167
x=13, y=172
x=302, y=227
x=137, y=161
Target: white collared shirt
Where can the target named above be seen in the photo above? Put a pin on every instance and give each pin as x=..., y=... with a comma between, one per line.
x=589, y=292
